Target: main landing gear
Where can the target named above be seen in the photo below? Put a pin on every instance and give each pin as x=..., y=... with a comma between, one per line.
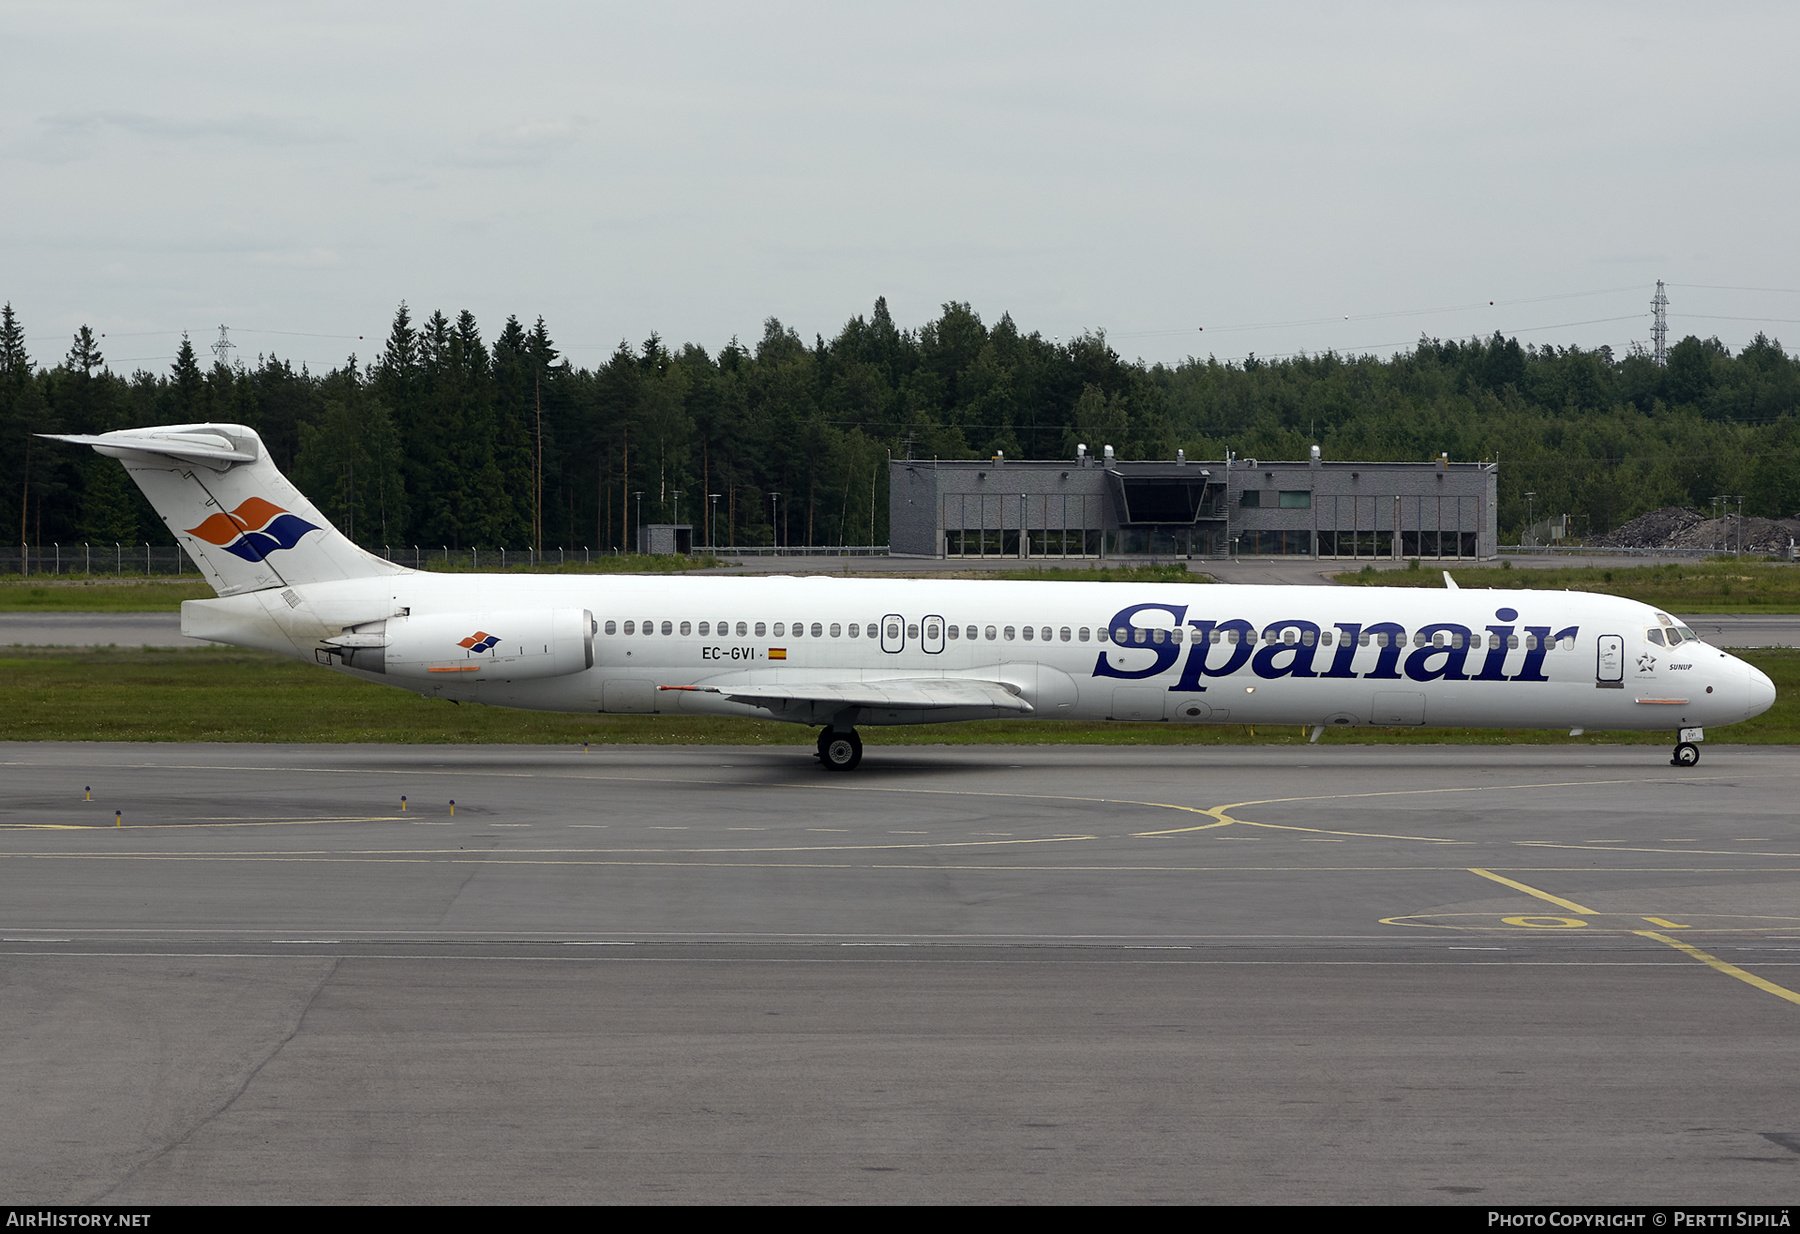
x=1686, y=755
x=839, y=751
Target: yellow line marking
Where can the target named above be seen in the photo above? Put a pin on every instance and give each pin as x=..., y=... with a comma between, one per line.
x=1533, y=891
x=1545, y=923
x=1685, y=852
x=1711, y=961
x=1224, y=819
x=1718, y=965
x=1667, y=925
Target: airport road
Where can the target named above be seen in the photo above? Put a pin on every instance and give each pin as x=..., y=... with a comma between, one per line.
x=95, y=630
x=1396, y=974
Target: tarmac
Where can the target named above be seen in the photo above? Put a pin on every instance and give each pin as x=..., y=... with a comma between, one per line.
x=1389, y=974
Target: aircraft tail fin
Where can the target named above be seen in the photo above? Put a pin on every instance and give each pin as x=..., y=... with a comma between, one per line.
x=243, y=523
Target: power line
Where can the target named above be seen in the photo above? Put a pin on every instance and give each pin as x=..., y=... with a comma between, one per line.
x=1786, y=291
x=1383, y=316
x=1721, y=317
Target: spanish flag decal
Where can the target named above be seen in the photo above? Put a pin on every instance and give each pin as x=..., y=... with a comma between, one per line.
x=778, y=653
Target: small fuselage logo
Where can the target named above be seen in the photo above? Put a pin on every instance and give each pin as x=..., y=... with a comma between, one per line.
x=254, y=530
x=479, y=641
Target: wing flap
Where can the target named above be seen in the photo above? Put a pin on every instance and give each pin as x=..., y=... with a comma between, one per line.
x=901, y=694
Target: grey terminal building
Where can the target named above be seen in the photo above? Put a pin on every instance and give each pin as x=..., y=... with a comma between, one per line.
x=1102, y=507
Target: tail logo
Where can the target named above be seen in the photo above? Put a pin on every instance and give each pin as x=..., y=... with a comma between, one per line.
x=253, y=530
x=479, y=641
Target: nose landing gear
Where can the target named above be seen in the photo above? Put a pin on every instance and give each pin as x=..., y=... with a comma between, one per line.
x=1687, y=754
x=840, y=751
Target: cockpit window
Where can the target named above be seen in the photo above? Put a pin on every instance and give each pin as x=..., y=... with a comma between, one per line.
x=1654, y=636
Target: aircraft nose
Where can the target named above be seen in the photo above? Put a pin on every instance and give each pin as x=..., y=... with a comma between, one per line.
x=1760, y=692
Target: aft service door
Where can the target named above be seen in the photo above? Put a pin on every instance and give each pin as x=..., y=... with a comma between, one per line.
x=1609, y=668
x=893, y=633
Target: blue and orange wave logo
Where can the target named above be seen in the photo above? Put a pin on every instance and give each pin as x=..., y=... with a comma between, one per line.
x=253, y=530
x=479, y=641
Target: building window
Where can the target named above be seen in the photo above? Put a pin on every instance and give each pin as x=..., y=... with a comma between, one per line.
x=1250, y=498
x=1292, y=499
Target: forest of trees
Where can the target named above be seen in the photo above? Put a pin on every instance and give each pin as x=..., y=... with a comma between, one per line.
x=448, y=439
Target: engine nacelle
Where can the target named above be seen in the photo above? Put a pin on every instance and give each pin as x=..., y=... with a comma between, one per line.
x=505, y=645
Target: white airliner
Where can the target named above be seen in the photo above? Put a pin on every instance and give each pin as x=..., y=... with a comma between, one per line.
x=838, y=652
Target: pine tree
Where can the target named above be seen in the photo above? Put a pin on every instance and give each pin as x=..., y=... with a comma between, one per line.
x=15, y=364
x=187, y=390
x=84, y=354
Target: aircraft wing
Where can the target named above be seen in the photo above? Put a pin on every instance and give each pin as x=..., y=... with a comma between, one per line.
x=894, y=693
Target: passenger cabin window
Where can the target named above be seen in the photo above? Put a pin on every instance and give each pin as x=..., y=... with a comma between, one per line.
x=954, y=632
x=631, y=627
x=991, y=634
x=761, y=629
x=836, y=629
x=686, y=629
x=1064, y=633
x=612, y=627
x=1083, y=635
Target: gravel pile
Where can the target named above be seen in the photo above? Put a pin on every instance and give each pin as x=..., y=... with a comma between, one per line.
x=1679, y=527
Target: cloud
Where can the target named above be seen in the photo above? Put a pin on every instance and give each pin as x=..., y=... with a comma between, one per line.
x=252, y=129
x=519, y=145
x=299, y=259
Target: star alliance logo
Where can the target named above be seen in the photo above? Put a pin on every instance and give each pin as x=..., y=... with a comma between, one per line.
x=1646, y=663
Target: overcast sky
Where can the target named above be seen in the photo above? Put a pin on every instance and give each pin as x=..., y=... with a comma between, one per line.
x=1289, y=177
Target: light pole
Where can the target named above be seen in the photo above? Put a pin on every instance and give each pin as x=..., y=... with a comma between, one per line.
x=638, y=540
x=712, y=522
x=1740, y=524
x=677, y=493
x=1530, y=513
x=774, y=527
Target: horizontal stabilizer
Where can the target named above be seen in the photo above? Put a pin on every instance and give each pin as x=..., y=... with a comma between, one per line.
x=202, y=446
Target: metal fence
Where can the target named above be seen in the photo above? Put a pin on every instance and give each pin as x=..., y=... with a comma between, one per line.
x=804, y=550
x=96, y=560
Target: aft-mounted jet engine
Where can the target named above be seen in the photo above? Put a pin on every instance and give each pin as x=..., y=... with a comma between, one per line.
x=518, y=645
